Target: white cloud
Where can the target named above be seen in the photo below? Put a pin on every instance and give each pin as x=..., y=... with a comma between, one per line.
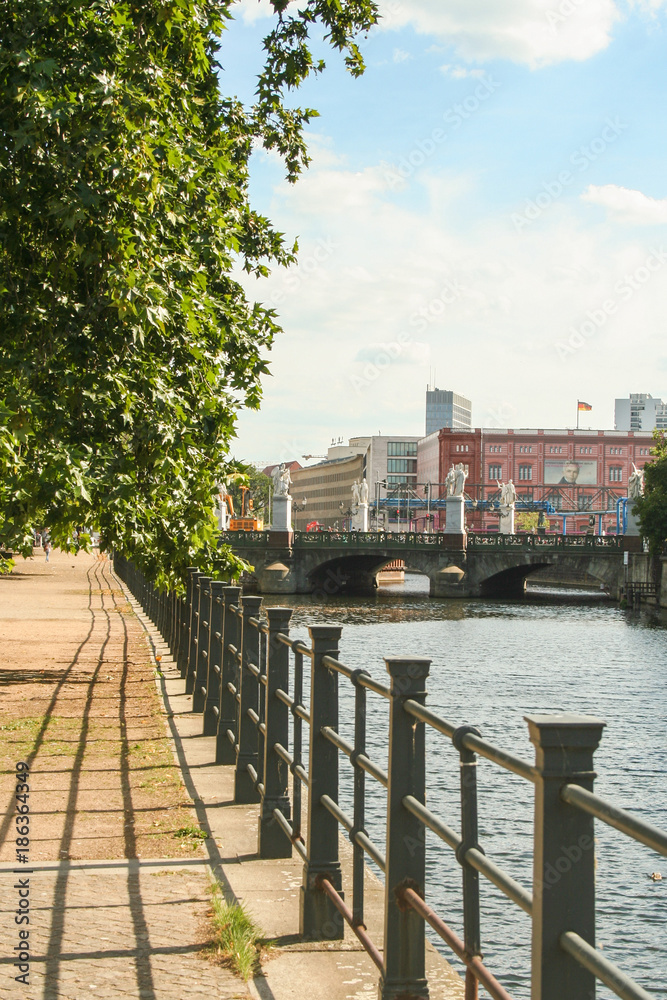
x=531, y=32
x=250, y=11
x=627, y=205
x=400, y=56
x=461, y=73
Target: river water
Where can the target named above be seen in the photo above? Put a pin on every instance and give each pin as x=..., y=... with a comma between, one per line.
x=492, y=663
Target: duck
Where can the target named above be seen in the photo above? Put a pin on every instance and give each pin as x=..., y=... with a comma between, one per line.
x=656, y=876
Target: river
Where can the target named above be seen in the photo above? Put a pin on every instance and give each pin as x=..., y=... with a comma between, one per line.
x=493, y=662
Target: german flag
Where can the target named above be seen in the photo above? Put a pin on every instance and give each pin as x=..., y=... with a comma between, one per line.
x=583, y=406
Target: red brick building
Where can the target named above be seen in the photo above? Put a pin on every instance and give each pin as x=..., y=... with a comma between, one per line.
x=576, y=471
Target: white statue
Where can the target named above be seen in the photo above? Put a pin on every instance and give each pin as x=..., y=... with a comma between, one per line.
x=507, y=493
x=636, y=483
x=460, y=476
x=450, y=480
x=281, y=480
x=363, y=491
x=355, y=492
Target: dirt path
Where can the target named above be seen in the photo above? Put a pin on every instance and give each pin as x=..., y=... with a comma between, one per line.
x=79, y=707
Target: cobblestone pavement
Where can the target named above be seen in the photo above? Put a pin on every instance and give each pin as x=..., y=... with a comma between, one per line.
x=118, y=892
x=115, y=934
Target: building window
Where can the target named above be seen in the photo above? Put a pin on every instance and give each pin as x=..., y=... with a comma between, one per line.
x=495, y=471
x=402, y=465
x=402, y=480
x=402, y=448
x=525, y=472
x=615, y=473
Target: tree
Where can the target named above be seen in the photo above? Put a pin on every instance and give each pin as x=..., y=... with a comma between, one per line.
x=126, y=348
x=651, y=509
x=259, y=485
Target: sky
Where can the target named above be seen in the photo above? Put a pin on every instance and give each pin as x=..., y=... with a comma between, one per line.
x=486, y=211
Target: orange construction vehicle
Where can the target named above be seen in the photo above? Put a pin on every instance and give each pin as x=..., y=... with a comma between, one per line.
x=246, y=521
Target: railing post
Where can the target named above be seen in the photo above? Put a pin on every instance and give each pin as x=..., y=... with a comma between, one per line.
x=194, y=630
x=564, y=854
x=404, y=939
x=203, y=631
x=318, y=918
x=186, y=620
x=225, y=747
x=272, y=841
x=470, y=875
x=214, y=661
x=246, y=754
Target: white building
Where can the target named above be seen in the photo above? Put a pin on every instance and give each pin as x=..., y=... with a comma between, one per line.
x=640, y=412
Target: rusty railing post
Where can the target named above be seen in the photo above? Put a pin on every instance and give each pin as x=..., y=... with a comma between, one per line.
x=272, y=841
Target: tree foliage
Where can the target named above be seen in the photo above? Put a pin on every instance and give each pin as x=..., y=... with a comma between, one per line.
x=126, y=347
x=651, y=509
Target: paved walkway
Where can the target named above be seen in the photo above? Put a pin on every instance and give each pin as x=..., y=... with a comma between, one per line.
x=111, y=915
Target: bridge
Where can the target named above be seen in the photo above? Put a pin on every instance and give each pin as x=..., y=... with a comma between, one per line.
x=472, y=565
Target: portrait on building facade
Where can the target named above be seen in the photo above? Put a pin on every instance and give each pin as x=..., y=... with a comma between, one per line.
x=570, y=473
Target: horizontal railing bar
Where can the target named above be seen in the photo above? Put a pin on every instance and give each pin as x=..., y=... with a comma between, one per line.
x=216, y=668
x=474, y=857
x=366, y=681
x=602, y=968
x=218, y=636
x=254, y=669
x=501, y=879
x=423, y=714
x=203, y=689
x=432, y=822
x=301, y=713
x=369, y=847
x=234, y=608
x=231, y=688
x=215, y=709
x=253, y=715
x=646, y=833
x=284, y=697
x=501, y=757
x=262, y=728
x=283, y=754
x=297, y=844
x=255, y=622
x=255, y=778
x=232, y=649
x=231, y=737
x=333, y=664
x=358, y=929
x=357, y=759
x=360, y=838
x=263, y=679
x=475, y=964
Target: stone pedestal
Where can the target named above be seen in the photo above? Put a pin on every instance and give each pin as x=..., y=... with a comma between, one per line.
x=632, y=527
x=359, y=521
x=455, y=516
x=506, y=526
x=282, y=513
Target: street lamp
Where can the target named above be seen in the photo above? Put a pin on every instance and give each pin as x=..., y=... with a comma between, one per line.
x=297, y=508
x=345, y=513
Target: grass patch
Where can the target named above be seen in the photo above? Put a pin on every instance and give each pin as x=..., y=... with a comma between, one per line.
x=238, y=941
x=191, y=835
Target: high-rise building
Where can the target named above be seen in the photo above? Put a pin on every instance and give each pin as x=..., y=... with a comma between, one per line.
x=640, y=412
x=447, y=409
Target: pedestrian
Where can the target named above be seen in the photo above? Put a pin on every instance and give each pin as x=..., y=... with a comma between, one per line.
x=47, y=548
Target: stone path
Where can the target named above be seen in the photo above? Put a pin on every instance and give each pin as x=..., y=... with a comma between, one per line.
x=78, y=704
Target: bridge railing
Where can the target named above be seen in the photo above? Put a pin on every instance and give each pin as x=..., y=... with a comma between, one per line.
x=418, y=539
x=252, y=684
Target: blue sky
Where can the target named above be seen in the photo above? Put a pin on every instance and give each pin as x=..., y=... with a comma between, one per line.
x=488, y=202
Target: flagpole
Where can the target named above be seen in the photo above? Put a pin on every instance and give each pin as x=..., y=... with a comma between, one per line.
x=577, y=414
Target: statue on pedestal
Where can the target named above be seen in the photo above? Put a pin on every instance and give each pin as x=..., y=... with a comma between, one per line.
x=363, y=491
x=450, y=480
x=507, y=493
x=636, y=483
x=356, y=489
x=281, y=480
x=460, y=476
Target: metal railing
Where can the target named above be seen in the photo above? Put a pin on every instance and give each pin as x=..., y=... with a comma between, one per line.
x=251, y=695
x=415, y=539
